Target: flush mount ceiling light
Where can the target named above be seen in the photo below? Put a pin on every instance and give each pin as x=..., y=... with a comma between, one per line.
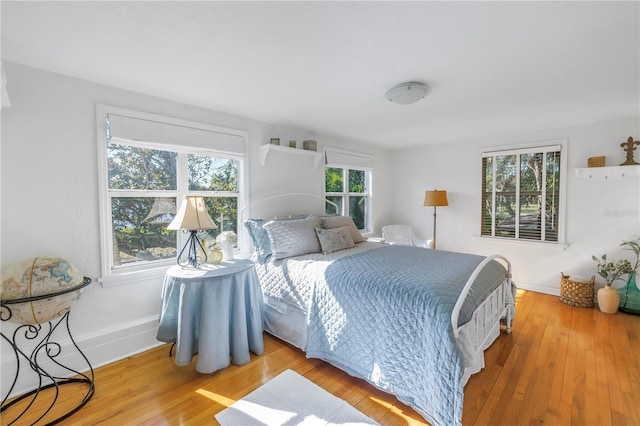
x=407, y=93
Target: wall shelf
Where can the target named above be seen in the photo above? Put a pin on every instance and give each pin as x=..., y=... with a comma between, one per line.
x=267, y=148
x=607, y=173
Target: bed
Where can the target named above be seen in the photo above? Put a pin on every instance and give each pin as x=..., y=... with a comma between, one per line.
x=411, y=321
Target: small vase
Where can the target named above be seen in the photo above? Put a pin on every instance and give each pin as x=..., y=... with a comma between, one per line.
x=608, y=300
x=630, y=296
x=215, y=256
x=227, y=251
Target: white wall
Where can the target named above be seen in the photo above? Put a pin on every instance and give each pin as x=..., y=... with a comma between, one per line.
x=600, y=215
x=50, y=203
x=50, y=198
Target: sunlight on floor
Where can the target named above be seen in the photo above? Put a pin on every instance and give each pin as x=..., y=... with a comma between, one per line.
x=222, y=400
x=395, y=410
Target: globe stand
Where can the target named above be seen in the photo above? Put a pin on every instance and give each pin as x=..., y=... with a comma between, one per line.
x=47, y=351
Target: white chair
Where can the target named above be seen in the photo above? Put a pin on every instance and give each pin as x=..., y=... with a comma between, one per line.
x=403, y=235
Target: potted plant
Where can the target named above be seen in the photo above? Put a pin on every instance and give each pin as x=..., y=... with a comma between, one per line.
x=625, y=298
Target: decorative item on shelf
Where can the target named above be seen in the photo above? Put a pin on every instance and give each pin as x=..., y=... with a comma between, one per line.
x=292, y=144
x=629, y=146
x=310, y=145
x=227, y=240
x=436, y=199
x=275, y=141
x=596, y=161
x=576, y=290
x=192, y=217
x=609, y=299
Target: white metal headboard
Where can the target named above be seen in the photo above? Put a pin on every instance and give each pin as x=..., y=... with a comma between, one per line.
x=245, y=209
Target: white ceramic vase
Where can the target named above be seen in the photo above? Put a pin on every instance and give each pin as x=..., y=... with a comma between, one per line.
x=608, y=300
x=227, y=251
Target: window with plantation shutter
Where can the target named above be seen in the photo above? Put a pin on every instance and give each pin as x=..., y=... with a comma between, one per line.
x=521, y=194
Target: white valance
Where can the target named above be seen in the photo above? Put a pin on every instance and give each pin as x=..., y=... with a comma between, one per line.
x=336, y=157
x=185, y=134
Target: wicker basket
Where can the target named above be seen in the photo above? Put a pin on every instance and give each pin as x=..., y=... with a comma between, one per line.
x=576, y=293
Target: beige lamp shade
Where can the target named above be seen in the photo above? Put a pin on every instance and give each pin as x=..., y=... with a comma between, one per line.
x=192, y=215
x=435, y=198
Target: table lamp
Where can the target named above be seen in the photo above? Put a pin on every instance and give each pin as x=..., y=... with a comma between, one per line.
x=192, y=217
x=436, y=199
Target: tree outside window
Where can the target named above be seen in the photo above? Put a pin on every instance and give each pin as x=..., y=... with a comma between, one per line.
x=521, y=194
x=145, y=185
x=349, y=189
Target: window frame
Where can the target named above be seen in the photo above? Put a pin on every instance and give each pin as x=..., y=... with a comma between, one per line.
x=347, y=160
x=112, y=276
x=532, y=148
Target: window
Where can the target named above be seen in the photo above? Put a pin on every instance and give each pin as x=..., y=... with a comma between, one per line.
x=521, y=194
x=348, y=184
x=147, y=166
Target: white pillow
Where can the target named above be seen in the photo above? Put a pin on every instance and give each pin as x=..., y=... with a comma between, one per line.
x=332, y=222
x=335, y=239
x=293, y=237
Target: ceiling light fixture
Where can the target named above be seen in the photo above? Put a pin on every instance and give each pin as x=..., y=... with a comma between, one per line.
x=407, y=93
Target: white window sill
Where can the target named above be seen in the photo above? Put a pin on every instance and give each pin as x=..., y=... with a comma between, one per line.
x=156, y=272
x=523, y=243
x=132, y=277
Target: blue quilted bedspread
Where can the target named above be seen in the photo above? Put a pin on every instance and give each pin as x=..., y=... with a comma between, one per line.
x=385, y=316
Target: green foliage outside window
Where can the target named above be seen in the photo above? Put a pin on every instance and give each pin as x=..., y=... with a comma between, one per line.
x=333, y=178
x=139, y=168
x=139, y=234
x=221, y=175
x=144, y=184
x=357, y=182
x=524, y=189
x=344, y=197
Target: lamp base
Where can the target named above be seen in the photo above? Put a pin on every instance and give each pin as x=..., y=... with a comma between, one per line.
x=434, y=227
x=192, y=258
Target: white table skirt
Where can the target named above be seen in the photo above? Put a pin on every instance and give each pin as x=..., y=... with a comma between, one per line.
x=215, y=312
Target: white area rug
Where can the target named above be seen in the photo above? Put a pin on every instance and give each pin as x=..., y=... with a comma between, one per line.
x=290, y=399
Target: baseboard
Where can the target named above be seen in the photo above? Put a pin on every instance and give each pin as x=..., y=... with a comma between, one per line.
x=100, y=348
x=554, y=291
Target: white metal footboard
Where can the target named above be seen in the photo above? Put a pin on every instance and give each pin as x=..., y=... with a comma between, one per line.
x=493, y=309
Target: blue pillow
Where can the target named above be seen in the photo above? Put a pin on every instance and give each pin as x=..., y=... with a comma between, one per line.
x=260, y=238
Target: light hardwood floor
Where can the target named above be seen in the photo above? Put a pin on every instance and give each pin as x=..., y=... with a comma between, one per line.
x=560, y=366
